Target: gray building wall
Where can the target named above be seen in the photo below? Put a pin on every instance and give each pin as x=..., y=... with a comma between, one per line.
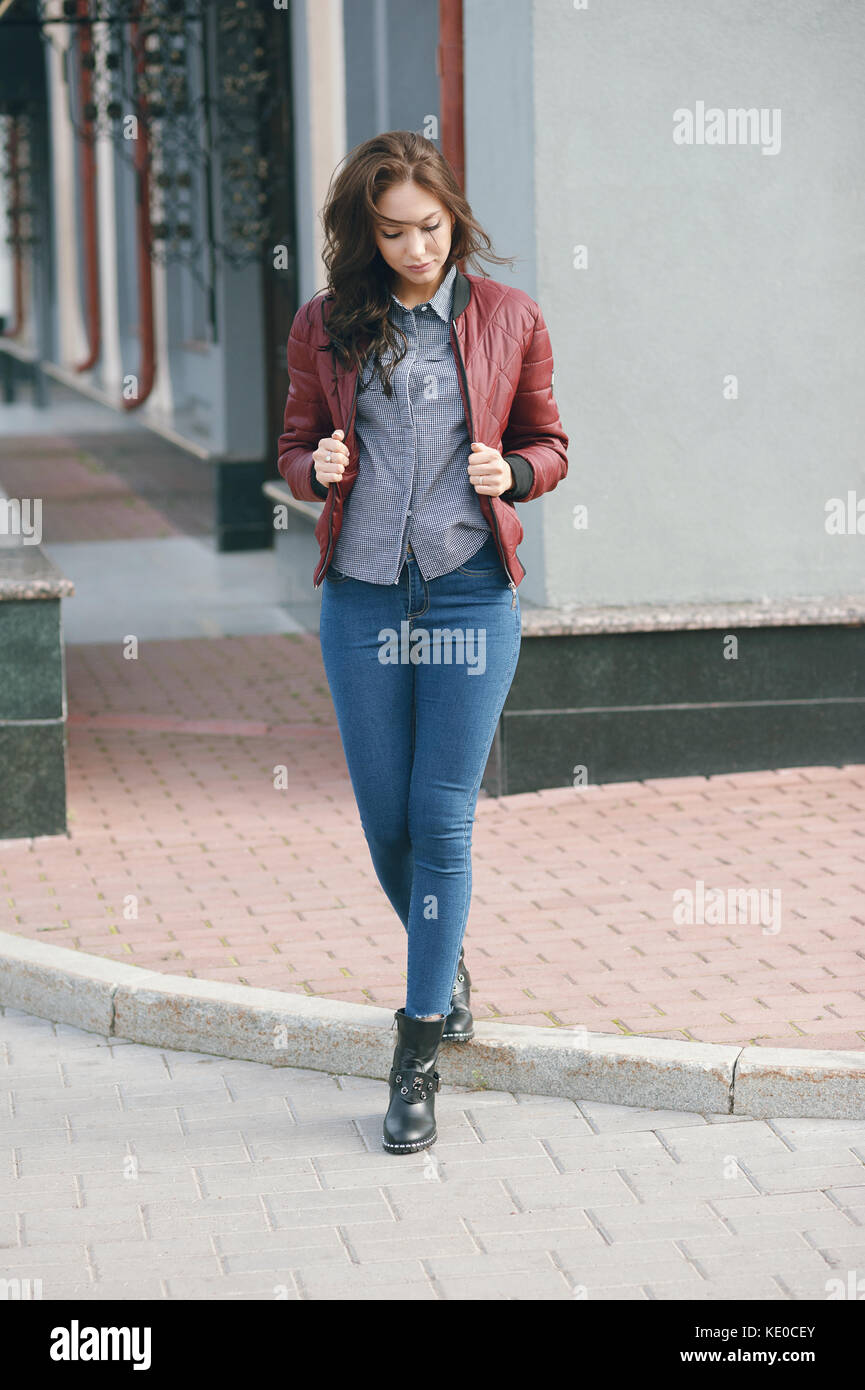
x=704, y=261
x=391, y=81
x=501, y=147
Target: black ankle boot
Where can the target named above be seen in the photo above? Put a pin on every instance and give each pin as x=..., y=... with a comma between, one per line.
x=459, y=1024
x=410, y=1122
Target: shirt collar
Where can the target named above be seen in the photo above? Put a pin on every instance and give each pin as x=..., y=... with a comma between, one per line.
x=442, y=300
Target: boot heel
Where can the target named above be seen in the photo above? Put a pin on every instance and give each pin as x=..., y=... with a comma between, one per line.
x=459, y=1024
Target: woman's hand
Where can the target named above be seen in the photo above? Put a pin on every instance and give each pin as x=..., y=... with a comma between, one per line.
x=330, y=458
x=489, y=474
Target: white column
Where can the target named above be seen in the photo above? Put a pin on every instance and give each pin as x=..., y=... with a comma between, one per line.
x=111, y=365
x=319, y=102
x=72, y=336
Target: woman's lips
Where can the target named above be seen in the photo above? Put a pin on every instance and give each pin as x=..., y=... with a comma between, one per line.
x=426, y=265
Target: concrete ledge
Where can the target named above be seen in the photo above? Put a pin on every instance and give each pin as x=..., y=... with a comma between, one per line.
x=585, y=620
x=296, y=1030
x=788, y=1083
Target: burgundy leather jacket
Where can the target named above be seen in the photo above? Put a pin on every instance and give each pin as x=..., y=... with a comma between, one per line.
x=505, y=369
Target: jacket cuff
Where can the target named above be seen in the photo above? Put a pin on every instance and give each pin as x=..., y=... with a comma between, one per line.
x=524, y=477
x=318, y=488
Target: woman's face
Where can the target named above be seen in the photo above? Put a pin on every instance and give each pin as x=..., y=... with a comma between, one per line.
x=413, y=234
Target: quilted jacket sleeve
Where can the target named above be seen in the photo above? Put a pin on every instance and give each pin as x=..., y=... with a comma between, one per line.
x=534, y=441
x=307, y=415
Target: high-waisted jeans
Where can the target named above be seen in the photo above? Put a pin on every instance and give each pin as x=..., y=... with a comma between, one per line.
x=419, y=672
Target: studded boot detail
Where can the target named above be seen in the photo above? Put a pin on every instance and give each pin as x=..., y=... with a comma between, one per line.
x=410, y=1122
x=459, y=1024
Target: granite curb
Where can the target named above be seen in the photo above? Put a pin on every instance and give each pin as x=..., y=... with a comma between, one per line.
x=130, y=1003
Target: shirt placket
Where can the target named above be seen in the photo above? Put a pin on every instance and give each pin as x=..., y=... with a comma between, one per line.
x=409, y=430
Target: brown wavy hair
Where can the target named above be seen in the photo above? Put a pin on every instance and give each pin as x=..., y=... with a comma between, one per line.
x=358, y=278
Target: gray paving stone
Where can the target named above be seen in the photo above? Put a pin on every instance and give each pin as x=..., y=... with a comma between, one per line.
x=672, y=1221
x=821, y=1229
x=628, y=1151
x=843, y=1254
x=796, y=1177
x=806, y=1134
x=386, y=1293
x=847, y=1195
x=533, y=1123
x=611, y=1264
x=264, y=1183
x=15, y=1259
x=584, y=1243
x=394, y=1232
x=718, y=1290
x=480, y=1153
x=325, y=1280
x=301, y=1143
x=524, y=1222
x=336, y=1215
x=229, y=1288
x=319, y=1197
x=284, y=1241
x=106, y=1254
x=615, y=1293
x=143, y=1290
x=147, y=1267
x=655, y=1185
x=267, y=1183
x=781, y=1207
x=368, y=1250
x=158, y=1158
x=164, y=1227
x=8, y=1229
x=482, y=1266
x=146, y=1187
x=72, y=1162
x=594, y=1189
x=622, y=1119
x=84, y=1224
x=370, y=1171
x=784, y=1263
x=549, y=1287
x=282, y=1262
x=751, y=1138
x=724, y=1243
x=53, y=1200
x=472, y=1098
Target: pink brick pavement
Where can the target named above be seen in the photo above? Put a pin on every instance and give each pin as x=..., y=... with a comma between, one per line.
x=184, y=857
x=82, y=499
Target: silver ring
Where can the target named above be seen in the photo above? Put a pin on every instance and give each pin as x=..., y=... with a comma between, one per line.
x=328, y=456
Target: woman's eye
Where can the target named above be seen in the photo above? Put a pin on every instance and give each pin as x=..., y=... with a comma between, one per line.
x=390, y=236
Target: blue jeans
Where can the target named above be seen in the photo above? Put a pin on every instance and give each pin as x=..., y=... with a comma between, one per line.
x=419, y=672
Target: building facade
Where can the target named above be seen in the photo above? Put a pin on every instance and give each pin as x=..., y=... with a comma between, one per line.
x=679, y=188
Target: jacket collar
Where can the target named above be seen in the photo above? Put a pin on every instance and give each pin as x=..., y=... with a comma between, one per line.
x=462, y=293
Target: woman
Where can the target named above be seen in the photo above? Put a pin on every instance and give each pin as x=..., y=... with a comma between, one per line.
x=408, y=379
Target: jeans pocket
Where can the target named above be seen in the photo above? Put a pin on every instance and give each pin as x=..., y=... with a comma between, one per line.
x=485, y=563
x=336, y=576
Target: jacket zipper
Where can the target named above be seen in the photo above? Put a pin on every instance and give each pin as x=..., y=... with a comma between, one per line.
x=352, y=410
x=511, y=585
